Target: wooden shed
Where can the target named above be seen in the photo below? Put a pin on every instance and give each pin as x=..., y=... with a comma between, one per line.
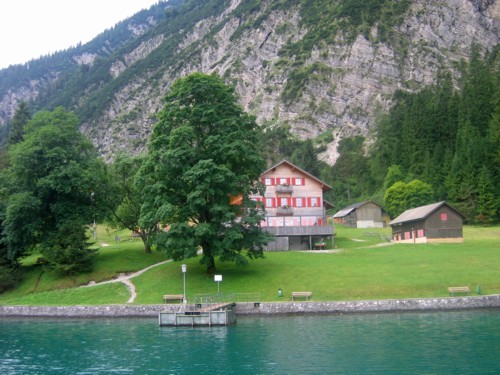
x=365, y=214
x=437, y=222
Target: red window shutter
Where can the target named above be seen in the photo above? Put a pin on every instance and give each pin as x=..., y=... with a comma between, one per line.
x=309, y=202
x=293, y=202
x=273, y=181
x=274, y=201
x=289, y=181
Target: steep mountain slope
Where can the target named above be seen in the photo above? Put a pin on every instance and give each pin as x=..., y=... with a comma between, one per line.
x=323, y=67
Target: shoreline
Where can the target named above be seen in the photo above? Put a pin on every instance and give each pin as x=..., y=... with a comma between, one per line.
x=261, y=308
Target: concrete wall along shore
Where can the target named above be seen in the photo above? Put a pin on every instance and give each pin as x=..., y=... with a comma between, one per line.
x=264, y=308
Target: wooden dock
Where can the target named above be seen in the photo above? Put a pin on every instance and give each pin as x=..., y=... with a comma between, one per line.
x=220, y=314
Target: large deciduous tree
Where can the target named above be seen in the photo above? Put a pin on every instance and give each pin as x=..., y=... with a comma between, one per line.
x=204, y=152
x=127, y=213
x=403, y=196
x=52, y=176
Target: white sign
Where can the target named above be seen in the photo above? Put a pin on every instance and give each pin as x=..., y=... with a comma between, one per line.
x=217, y=278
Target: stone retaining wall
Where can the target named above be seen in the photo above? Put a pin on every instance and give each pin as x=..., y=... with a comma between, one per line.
x=264, y=308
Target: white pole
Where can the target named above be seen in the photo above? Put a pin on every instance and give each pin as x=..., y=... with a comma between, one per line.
x=184, y=268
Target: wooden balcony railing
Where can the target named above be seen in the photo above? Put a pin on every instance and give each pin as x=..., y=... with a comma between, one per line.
x=284, y=189
x=284, y=211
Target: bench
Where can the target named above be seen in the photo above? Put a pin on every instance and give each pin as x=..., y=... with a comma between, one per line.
x=458, y=289
x=173, y=297
x=305, y=295
x=319, y=245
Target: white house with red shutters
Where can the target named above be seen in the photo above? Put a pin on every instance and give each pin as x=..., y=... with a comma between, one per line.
x=295, y=208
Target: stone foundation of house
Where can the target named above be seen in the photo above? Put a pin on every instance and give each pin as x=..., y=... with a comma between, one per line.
x=431, y=240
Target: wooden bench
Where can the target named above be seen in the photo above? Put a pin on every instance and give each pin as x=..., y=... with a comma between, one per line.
x=305, y=295
x=319, y=245
x=458, y=289
x=173, y=297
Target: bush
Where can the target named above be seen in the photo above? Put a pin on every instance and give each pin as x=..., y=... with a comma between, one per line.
x=68, y=250
x=9, y=278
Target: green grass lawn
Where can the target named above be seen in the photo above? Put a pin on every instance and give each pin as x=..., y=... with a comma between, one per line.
x=42, y=287
x=359, y=270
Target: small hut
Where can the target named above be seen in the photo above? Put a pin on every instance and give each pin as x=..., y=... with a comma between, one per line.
x=365, y=214
x=437, y=222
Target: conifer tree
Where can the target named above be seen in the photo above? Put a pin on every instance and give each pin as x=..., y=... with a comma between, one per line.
x=20, y=119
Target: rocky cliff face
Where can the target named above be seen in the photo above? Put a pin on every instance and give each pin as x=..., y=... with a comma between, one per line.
x=343, y=83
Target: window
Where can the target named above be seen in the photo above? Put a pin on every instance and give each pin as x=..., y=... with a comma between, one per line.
x=269, y=202
x=283, y=181
x=284, y=202
x=298, y=181
x=444, y=216
x=267, y=182
x=314, y=202
x=298, y=202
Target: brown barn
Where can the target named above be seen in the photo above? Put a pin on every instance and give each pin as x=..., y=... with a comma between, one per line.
x=365, y=214
x=437, y=222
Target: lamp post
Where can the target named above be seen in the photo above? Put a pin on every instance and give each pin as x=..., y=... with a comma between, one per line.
x=184, y=269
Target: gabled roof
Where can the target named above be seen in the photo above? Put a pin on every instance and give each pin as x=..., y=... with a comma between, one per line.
x=327, y=204
x=292, y=166
x=420, y=213
x=347, y=210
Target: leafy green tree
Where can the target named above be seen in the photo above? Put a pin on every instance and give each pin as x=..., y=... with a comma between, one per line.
x=53, y=174
x=202, y=152
x=418, y=193
x=403, y=196
x=394, y=174
x=128, y=212
x=395, y=199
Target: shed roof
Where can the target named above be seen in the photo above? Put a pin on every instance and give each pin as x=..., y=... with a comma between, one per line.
x=347, y=210
x=420, y=213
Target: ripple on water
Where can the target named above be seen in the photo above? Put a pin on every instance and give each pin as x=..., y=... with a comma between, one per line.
x=409, y=343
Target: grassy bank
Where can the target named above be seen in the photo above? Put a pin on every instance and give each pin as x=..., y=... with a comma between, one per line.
x=358, y=270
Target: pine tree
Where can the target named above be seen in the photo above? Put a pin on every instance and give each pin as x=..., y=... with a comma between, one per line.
x=20, y=119
x=487, y=203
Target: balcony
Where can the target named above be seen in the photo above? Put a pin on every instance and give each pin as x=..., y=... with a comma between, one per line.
x=323, y=230
x=284, y=189
x=284, y=211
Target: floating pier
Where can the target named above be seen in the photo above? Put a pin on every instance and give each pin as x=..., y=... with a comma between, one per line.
x=219, y=316
x=209, y=310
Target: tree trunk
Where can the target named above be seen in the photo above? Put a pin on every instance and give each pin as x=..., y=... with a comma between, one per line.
x=147, y=245
x=211, y=269
x=208, y=259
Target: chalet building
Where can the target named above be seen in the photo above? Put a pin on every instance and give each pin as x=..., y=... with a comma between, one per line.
x=437, y=222
x=295, y=208
x=365, y=214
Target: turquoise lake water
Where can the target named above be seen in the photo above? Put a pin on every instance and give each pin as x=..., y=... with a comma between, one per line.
x=461, y=342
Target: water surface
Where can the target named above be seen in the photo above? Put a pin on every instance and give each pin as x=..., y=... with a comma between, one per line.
x=466, y=342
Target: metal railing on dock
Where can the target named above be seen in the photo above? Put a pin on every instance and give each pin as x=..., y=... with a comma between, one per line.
x=205, y=300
